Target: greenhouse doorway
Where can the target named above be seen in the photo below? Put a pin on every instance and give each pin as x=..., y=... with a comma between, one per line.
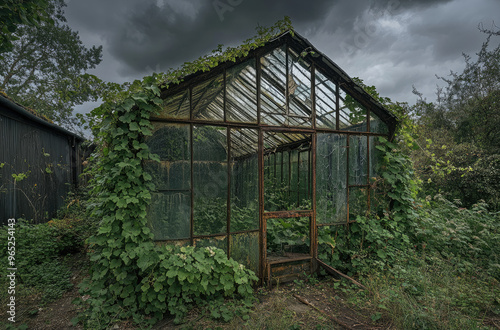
x=288, y=204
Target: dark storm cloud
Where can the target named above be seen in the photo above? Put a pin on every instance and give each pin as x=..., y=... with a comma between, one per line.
x=156, y=35
x=165, y=37
x=385, y=42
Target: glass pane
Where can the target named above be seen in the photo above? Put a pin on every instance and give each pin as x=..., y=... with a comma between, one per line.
x=169, y=215
x=287, y=236
x=218, y=242
x=299, y=90
x=358, y=160
x=379, y=201
x=272, y=87
x=282, y=188
x=244, y=180
x=210, y=179
x=352, y=115
x=294, y=179
x=305, y=184
x=326, y=108
x=376, y=157
x=171, y=143
x=241, y=93
x=331, y=179
x=377, y=125
x=175, y=106
x=208, y=99
x=244, y=249
x=358, y=202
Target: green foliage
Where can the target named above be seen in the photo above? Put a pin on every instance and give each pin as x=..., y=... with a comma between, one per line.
x=39, y=249
x=378, y=240
x=14, y=13
x=429, y=292
x=131, y=277
x=468, y=238
x=288, y=234
x=210, y=215
x=460, y=135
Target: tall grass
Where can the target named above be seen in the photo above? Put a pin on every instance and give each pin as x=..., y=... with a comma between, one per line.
x=450, y=279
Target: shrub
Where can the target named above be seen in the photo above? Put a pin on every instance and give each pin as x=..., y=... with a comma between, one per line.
x=38, y=253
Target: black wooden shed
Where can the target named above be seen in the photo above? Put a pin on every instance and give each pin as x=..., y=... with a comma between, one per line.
x=39, y=163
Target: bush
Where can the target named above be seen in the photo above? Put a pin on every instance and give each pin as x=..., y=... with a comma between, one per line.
x=38, y=253
x=172, y=279
x=469, y=238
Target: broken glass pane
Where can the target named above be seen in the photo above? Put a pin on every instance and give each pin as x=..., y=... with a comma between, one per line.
x=352, y=115
x=299, y=90
x=241, y=93
x=208, y=99
x=326, y=108
x=331, y=178
x=272, y=87
x=377, y=125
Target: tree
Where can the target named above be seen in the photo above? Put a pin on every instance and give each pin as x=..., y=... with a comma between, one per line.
x=19, y=12
x=462, y=131
x=46, y=69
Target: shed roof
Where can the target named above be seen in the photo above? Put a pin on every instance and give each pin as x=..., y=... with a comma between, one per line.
x=16, y=111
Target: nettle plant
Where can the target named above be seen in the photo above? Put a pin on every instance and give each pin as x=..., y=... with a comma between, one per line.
x=132, y=277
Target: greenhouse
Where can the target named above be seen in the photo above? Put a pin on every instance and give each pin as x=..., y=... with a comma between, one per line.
x=260, y=156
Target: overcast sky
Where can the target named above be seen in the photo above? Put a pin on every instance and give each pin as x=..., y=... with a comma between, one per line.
x=391, y=44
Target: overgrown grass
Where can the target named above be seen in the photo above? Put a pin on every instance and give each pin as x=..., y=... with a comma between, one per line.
x=40, y=251
x=433, y=295
x=450, y=279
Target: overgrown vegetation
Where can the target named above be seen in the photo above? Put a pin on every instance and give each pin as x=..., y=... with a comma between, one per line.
x=132, y=277
x=430, y=260
x=41, y=251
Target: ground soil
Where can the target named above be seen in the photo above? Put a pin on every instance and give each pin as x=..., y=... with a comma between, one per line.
x=297, y=305
x=307, y=303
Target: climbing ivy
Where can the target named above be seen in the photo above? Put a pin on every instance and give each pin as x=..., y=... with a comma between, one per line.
x=131, y=277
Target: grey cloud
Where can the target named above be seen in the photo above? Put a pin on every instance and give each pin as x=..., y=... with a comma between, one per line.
x=141, y=36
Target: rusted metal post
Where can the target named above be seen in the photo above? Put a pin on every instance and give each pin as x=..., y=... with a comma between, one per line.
x=228, y=200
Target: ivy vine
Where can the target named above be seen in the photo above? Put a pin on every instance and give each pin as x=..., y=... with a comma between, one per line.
x=131, y=276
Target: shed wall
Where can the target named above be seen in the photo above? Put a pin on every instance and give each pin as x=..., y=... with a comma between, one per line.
x=50, y=161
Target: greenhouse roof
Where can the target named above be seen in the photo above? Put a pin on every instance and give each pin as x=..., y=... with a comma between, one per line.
x=279, y=90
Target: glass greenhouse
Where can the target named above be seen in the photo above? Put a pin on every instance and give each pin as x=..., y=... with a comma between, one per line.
x=260, y=156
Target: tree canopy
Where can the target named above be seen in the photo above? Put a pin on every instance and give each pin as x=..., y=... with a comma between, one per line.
x=14, y=13
x=461, y=130
x=46, y=68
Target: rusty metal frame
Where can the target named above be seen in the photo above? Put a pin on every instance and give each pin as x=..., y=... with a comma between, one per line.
x=261, y=129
